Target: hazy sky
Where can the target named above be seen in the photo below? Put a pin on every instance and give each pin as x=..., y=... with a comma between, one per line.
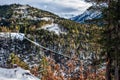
x=62, y=8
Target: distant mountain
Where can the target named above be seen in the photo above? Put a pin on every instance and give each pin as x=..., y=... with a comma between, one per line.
x=87, y=15
x=91, y=14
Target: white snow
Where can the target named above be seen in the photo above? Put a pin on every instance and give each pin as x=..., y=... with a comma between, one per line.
x=16, y=74
x=87, y=15
x=46, y=18
x=53, y=28
x=12, y=35
x=23, y=7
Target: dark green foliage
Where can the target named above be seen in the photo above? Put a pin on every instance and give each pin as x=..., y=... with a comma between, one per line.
x=111, y=39
x=5, y=11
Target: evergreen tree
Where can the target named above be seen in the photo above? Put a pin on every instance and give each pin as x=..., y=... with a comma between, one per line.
x=111, y=36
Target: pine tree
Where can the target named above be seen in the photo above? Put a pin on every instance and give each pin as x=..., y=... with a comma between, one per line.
x=111, y=36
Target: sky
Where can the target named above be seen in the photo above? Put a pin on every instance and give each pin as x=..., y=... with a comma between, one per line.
x=63, y=8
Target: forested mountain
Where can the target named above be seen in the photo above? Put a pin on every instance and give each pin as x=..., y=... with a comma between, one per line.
x=49, y=30
x=52, y=47
x=33, y=21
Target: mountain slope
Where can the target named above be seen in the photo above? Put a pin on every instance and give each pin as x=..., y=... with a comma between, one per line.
x=49, y=30
x=15, y=10
x=87, y=15
x=44, y=27
x=44, y=35
x=91, y=14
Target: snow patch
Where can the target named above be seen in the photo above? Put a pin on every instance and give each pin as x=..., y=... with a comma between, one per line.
x=23, y=7
x=46, y=18
x=53, y=28
x=16, y=74
x=12, y=35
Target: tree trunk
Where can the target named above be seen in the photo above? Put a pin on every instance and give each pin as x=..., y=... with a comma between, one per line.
x=116, y=72
x=108, y=71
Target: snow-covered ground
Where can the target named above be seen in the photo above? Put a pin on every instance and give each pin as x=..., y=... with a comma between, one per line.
x=46, y=18
x=12, y=35
x=16, y=74
x=53, y=28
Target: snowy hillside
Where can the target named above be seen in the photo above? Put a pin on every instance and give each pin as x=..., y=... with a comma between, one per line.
x=13, y=35
x=53, y=28
x=91, y=13
x=87, y=15
x=16, y=74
